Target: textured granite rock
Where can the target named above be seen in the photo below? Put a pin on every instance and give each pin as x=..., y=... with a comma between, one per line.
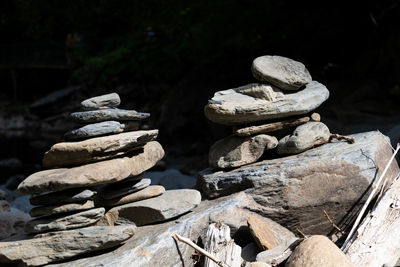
x=235, y=151
x=109, y=114
x=96, y=149
x=295, y=190
x=101, y=128
x=280, y=71
x=65, y=196
x=103, y=172
x=62, y=208
x=99, y=102
x=231, y=108
x=123, y=188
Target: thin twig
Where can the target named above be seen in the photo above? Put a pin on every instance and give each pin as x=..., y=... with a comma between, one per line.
x=187, y=241
x=301, y=233
x=333, y=224
x=371, y=195
x=349, y=139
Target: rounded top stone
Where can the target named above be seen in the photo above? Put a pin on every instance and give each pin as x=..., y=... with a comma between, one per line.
x=282, y=72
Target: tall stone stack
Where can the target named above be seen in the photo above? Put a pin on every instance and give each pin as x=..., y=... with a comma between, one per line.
x=284, y=98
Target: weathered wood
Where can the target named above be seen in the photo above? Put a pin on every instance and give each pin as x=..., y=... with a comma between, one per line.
x=219, y=244
x=275, y=126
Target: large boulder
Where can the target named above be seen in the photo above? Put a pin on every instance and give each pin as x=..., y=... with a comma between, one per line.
x=295, y=190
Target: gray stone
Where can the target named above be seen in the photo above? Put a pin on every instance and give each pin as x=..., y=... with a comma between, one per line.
x=235, y=151
x=167, y=206
x=261, y=91
x=250, y=251
x=171, y=179
x=107, y=115
x=99, y=102
x=103, y=172
x=230, y=107
x=269, y=255
x=4, y=206
x=96, y=149
x=61, y=197
x=123, y=188
x=282, y=72
x=63, y=208
x=101, y=128
x=12, y=222
x=59, y=246
x=152, y=245
x=65, y=222
x=303, y=138
x=295, y=190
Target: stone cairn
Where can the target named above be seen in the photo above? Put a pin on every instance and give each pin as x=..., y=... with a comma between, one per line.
x=284, y=98
x=97, y=179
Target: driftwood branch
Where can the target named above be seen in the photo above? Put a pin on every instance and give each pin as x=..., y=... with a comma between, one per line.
x=349, y=139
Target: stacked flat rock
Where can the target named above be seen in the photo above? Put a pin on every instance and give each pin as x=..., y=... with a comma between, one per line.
x=284, y=98
x=102, y=170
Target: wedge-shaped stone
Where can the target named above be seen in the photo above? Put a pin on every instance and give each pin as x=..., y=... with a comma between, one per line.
x=101, y=128
x=58, y=246
x=123, y=188
x=103, y=101
x=63, y=208
x=236, y=151
x=65, y=196
x=65, y=222
x=230, y=107
x=96, y=149
x=294, y=191
x=109, y=114
x=167, y=206
x=282, y=72
x=103, y=172
x=263, y=236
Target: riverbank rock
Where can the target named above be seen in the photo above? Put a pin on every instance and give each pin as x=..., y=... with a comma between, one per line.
x=108, y=171
x=108, y=114
x=280, y=71
x=100, y=102
x=63, y=208
x=101, y=128
x=230, y=107
x=235, y=151
x=65, y=196
x=123, y=188
x=295, y=190
x=12, y=222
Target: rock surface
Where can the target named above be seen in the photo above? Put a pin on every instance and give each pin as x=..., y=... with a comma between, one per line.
x=96, y=149
x=77, y=220
x=282, y=72
x=167, y=206
x=109, y=114
x=261, y=91
x=58, y=246
x=234, y=151
x=108, y=171
x=264, y=238
x=4, y=206
x=303, y=138
x=123, y=188
x=101, y=128
x=65, y=196
x=63, y=208
x=148, y=192
x=317, y=251
x=12, y=222
x=172, y=179
x=99, y=102
x=295, y=190
x=230, y=107
x=153, y=245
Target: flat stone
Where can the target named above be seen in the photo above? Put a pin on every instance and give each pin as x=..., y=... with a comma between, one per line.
x=230, y=107
x=101, y=128
x=103, y=172
x=317, y=251
x=66, y=222
x=280, y=71
x=12, y=222
x=171, y=204
x=99, y=102
x=63, y=208
x=61, y=197
x=4, y=206
x=96, y=149
x=264, y=238
x=303, y=138
x=235, y=151
x=123, y=188
x=148, y=192
x=261, y=91
x=295, y=190
x=107, y=115
x=59, y=246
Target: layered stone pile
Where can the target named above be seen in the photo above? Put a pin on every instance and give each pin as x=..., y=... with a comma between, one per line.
x=284, y=98
x=97, y=180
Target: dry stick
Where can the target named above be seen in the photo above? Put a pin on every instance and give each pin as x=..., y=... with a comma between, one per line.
x=371, y=195
x=333, y=224
x=301, y=233
x=187, y=241
x=349, y=139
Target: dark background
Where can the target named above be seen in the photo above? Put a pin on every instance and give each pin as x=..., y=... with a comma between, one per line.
x=169, y=57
